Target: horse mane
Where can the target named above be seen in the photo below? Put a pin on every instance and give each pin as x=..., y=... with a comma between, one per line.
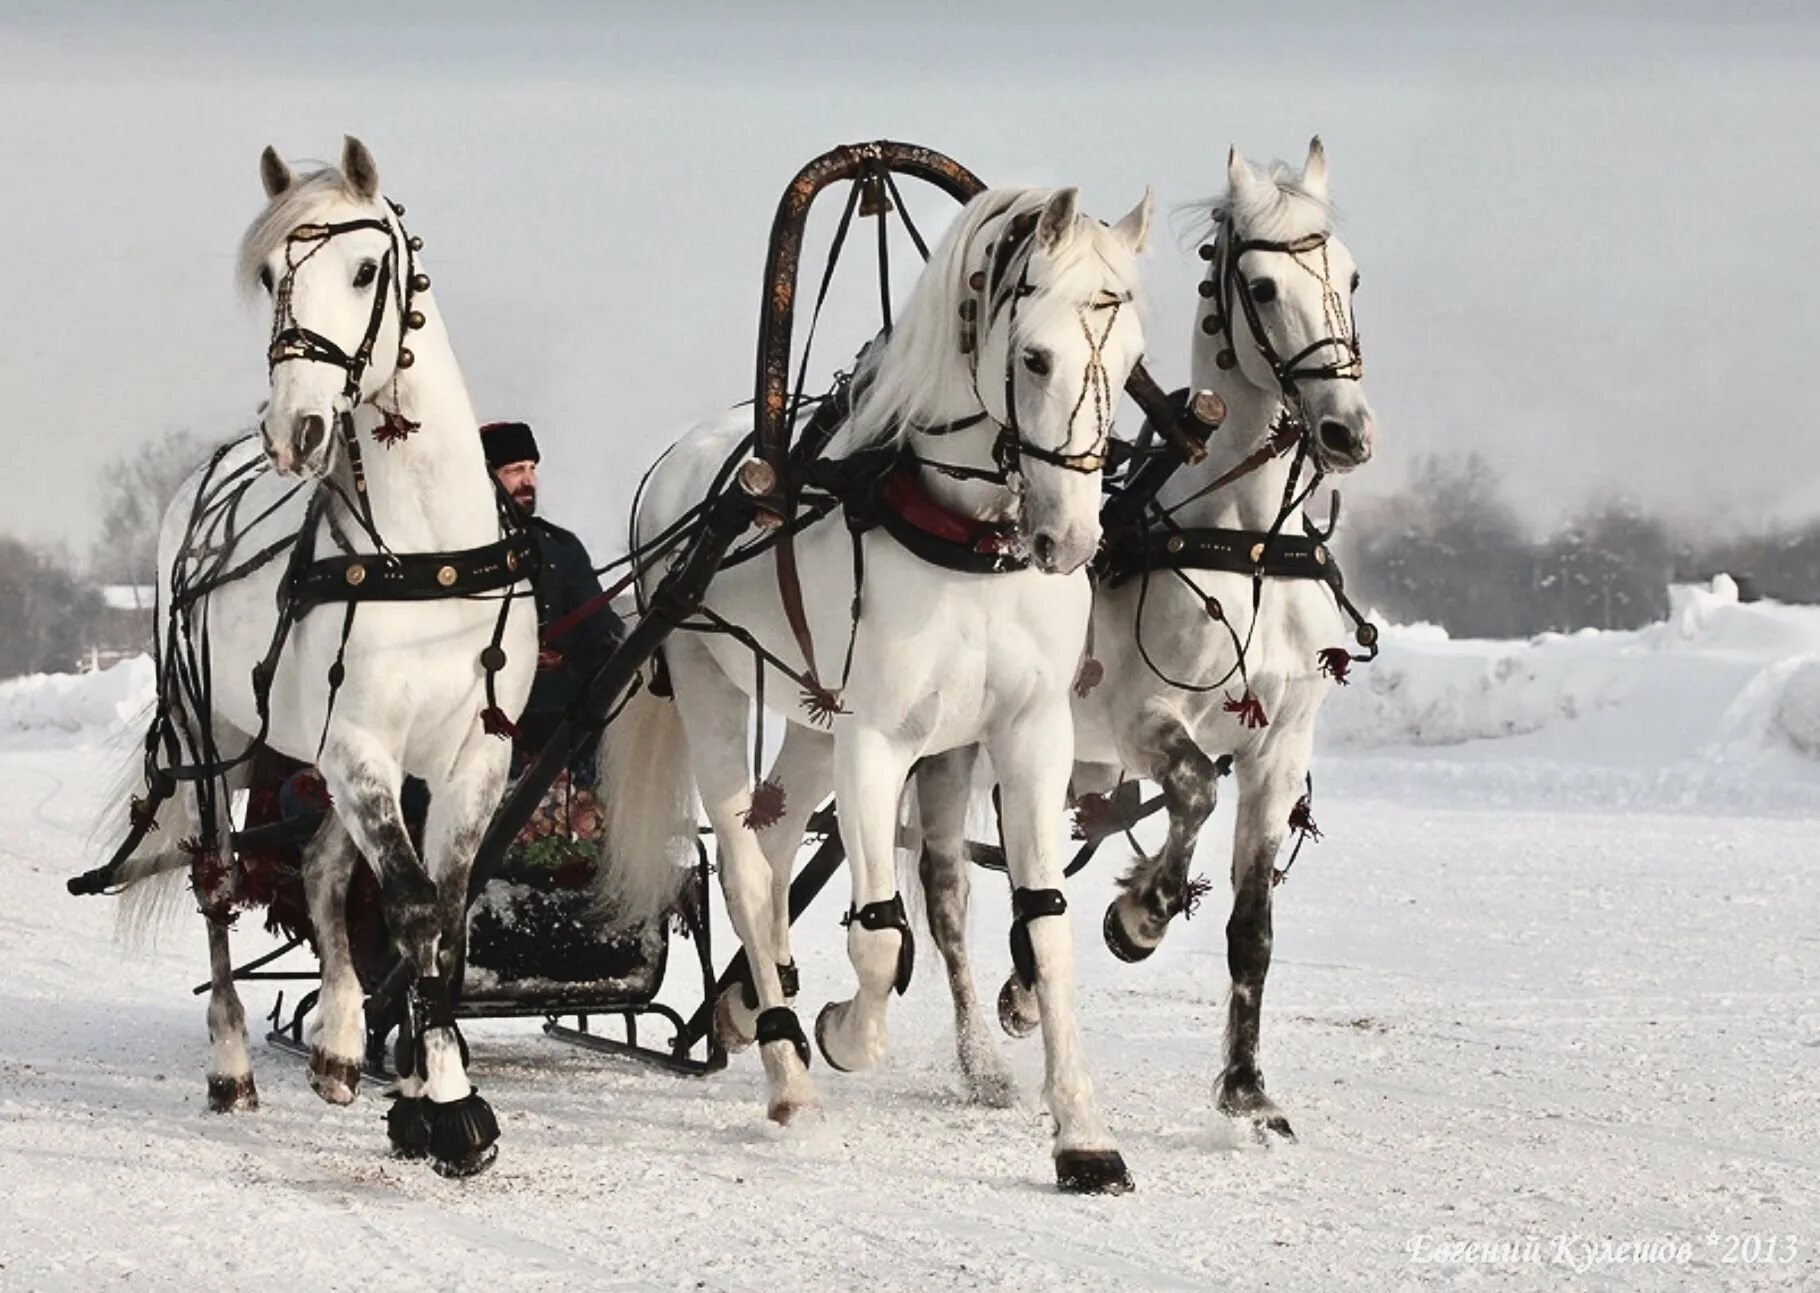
x=919, y=374
x=1277, y=208
x=284, y=213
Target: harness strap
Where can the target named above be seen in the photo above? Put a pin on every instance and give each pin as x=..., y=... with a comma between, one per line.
x=1028, y=905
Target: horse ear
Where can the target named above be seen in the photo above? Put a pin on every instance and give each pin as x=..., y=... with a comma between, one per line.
x=1238, y=170
x=1057, y=222
x=1135, y=227
x=361, y=170
x=273, y=173
x=1314, y=170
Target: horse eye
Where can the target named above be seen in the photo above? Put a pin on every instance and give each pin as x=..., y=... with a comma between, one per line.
x=1355, y=280
x=265, y=278
x=1263, y=290
x=363, y=277
x=1037, y=361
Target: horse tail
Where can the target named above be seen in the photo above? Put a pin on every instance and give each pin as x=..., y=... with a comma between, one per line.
x=152, y=881
x=648, y=791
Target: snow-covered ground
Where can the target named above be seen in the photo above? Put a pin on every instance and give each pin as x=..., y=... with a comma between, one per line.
x=1550, y=986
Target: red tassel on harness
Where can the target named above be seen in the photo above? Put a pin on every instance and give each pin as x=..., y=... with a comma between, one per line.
x=1301, y=818
x=1249, y=709
x=494, y=722
x=1336, y=663
x=1197, y=889
x=766, y=808
x=211, y=880
x=822, y=704
x=395, y=427
x=1091, y=675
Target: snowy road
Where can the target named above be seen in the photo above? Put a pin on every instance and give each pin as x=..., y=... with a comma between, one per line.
x=1491, y=1026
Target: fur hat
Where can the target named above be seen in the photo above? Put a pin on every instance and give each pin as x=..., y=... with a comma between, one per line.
x=508, y=442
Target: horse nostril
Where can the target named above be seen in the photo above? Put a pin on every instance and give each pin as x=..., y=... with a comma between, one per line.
x=1338, y=437
x=310, y=431
x=1043, y=546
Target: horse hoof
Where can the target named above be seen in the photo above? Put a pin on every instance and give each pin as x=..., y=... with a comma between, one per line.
x=463, y=1135
x=336, y=1081
x=991, y=1090
x=821, y=1037
x=1249, y=1102
x=456, y=1169
x=1118, y=941
x=1092, y=1171
x=1011, y=1015
x=407, y=1125
x=726, y=1023
x=232, y=1094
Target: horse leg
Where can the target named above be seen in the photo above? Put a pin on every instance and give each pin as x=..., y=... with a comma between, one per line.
x=231, y=1087
x=804, y=768
x=714, y=717
x=1269, y=785
x=944, y=786
x=338, y=1042
x=1156, y=888
x=1017, y=1009
x=460, y=1130
x=869, y=773
x=1032, y=756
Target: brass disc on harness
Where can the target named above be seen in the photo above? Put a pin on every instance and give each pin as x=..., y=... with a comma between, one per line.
x=1208, y=408
x=356, y=576
x=1175, y=544
x=446, y=576
x=757, y=477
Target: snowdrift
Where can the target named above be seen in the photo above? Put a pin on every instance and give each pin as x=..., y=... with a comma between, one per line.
x=1719, y=702
x=62, y=705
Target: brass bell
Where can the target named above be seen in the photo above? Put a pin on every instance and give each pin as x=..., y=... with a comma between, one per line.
x=1207, y=287
x=1211, y=325
x=414, y=319
x=977, y=280
x=1206, y=251
x=415, y=243
x=1367, y=634
x=397, y=208
x=969, y=308
x=406, y=359
x=420, y=282
x=1226, y=359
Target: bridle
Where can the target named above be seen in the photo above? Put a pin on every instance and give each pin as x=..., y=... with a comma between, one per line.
x=1346, y=361
x=292, y=341
x=993, y=290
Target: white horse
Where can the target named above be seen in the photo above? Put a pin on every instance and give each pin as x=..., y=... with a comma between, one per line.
x=1274, y=335
x=356, y=334
x=1003, y=369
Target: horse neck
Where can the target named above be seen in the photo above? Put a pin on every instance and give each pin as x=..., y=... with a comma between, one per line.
x=430, y=492
x=1253, y=501
x=973, y=447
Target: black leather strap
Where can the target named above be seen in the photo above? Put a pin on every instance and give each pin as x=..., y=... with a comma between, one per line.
x=416, y=576
x=876, y=917
x=1028, y=905
x=779, y=1024
x=1239, y=552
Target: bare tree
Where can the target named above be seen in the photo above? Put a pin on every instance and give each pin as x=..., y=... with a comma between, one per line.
x=136, y=488
x=47, y=614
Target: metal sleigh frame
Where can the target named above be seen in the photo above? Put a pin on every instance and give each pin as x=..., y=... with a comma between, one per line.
x=762, y=494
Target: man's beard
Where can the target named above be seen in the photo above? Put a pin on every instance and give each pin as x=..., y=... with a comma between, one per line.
x=526, y=498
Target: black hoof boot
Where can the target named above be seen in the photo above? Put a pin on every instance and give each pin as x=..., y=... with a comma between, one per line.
x=232, y=1094
x=407, y=1125
x=464, y=1136
x=1092, y=1171
x=821, y=1041
x=337, y=1081
x=1118, y=940
x=1011, y=1016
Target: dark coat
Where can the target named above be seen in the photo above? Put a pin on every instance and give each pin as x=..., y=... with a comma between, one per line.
x=565, y=581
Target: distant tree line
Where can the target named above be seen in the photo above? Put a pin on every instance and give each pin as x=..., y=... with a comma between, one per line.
x=1451, y=549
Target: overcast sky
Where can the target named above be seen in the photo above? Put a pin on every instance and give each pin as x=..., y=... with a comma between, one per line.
x=1588, y=232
